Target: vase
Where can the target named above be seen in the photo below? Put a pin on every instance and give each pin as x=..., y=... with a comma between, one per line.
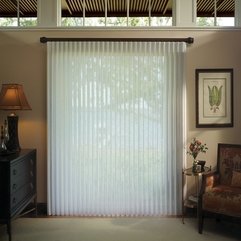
x=194, y=165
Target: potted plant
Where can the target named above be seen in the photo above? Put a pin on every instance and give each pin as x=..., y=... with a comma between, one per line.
x=194, y=149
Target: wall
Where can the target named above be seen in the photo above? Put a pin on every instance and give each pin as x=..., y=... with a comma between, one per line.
x=23, y=60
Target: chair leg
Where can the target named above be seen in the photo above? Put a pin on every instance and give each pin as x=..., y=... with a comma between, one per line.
x=200, y=224
x=200, y=216
x=218, y=220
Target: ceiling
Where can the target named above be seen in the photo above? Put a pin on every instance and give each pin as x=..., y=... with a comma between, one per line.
x=95, y=8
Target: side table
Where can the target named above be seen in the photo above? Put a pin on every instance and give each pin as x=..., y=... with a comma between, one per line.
x=191, y=201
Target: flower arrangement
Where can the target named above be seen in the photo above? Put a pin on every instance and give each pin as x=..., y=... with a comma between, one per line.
x=196, y=147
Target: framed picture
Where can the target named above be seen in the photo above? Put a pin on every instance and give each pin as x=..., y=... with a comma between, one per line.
x=214, y=98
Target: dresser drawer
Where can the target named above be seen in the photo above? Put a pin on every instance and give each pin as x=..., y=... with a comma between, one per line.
x=18, y=170
x=21, y=173
x=20, y=196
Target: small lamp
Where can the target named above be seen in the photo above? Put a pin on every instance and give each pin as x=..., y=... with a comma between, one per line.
x=13, y=98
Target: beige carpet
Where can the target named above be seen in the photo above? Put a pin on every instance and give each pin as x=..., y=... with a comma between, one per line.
x=118, y=229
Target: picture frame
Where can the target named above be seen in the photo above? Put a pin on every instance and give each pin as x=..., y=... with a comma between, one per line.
x=214, y=98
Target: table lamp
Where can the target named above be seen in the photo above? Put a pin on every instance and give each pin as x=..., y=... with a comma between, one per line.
x=12, y=98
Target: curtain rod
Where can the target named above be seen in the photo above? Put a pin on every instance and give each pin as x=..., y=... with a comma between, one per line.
x=188, y=40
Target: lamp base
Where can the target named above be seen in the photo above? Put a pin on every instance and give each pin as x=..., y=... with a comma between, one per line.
x=13, y=142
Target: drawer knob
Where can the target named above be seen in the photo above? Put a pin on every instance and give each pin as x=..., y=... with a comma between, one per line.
x=14, y=186
x=14, y=172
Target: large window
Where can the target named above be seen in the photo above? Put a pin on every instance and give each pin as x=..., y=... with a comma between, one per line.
x=116, y=128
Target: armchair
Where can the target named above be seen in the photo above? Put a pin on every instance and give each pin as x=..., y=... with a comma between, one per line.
x=220, y=191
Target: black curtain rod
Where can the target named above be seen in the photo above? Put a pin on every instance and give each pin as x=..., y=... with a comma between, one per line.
x=188, y=40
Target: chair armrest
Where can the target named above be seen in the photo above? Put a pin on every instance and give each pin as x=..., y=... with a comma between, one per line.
x=209, y=180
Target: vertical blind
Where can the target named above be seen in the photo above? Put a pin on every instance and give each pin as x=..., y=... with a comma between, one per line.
x=115, y=128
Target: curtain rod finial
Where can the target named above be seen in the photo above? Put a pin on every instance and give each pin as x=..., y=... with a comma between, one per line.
x=190, y=40
x=43, y=40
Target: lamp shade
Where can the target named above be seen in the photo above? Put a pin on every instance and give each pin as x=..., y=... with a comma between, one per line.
x=12, y=97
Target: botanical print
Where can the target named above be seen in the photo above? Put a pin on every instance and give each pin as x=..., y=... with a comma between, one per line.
x=214, y=97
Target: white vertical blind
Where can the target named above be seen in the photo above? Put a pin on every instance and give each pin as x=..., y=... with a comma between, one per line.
x=115, y=128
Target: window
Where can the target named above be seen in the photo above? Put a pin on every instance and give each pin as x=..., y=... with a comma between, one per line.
x=20, y=13
x=116, y=128
x=119, y=13
x=215, y=13
x=116, y=13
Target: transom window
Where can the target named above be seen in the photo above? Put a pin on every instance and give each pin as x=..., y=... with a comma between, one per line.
x=215, y=13
x=117, y=13
x=18, y=13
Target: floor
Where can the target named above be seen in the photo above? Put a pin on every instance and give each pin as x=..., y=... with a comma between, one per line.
x=119, y=229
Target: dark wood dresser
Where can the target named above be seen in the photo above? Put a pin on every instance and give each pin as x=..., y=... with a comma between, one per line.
x=17, y=185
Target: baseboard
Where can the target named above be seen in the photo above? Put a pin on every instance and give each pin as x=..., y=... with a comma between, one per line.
x=42, y=211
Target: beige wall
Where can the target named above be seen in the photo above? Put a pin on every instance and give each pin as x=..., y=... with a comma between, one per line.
x=23, y=60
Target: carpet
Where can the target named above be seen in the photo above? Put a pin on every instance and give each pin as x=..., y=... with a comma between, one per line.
x=118, y=229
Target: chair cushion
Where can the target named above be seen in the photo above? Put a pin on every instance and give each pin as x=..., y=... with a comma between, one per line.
x=224, y=200
x=236, y=179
